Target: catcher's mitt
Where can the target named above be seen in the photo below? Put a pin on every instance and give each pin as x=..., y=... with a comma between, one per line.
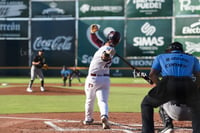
x=94, y=28
x=45, y=67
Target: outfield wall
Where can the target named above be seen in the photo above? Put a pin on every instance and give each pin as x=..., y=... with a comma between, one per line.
x=61, y=28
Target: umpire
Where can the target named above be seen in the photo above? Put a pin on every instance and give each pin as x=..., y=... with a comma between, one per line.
x=176, y=69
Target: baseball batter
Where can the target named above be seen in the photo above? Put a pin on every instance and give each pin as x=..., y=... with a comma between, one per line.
x=97, y=83
x=36, y=70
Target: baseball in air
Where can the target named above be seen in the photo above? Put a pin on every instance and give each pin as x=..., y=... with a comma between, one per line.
x=107, y=30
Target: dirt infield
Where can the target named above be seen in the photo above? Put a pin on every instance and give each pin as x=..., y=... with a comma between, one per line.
x=72, y=122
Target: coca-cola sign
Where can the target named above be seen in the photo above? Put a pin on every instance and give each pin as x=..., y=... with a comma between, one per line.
x=59, y=43
x=57, y=38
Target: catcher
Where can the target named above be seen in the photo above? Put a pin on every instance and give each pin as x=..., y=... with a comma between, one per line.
x=172, y=110
x=38, y=64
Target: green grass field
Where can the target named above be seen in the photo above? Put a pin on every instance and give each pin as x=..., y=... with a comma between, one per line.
x=122, y=99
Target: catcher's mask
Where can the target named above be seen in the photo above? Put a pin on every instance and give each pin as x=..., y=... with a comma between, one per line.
x=114, y=37
x=175, y=46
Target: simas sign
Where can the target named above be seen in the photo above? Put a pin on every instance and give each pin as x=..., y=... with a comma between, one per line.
x=148, y=37
x=187, y=26
x=146, y=8
x=149, y=40
x=187, y=7
x=13, y=8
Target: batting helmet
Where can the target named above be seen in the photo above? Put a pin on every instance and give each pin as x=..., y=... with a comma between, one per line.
x=175, y=46
x=114, y=37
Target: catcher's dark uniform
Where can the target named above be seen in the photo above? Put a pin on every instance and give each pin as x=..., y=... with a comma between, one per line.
x=36, y=70
x=176, y=69
x=75, y=73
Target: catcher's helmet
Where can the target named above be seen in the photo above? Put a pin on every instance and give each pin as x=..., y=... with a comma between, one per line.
x=175, y=46
x=114, y=37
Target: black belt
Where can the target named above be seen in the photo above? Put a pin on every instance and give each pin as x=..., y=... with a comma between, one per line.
x=93, y=74
x=177, y=77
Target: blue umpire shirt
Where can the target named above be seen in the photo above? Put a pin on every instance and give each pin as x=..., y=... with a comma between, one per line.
x=65, y=73
x=176, y=63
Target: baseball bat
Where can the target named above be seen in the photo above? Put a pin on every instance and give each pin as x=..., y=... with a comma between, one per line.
x=142, y=74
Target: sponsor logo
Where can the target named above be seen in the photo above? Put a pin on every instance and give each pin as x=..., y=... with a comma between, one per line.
x=148, y=29
x=53, y=10
x=148, y=4
x=10, y=27
x=59, y=43
x=185, y=5
x=113, y=9
x=141, y=62
x=86, y=59
x=192, y=29
x=192, y=47
x=11, y=8
x=106, y=31
x=148, y=44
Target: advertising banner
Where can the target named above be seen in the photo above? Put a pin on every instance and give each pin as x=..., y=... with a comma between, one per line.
x=87, y=48
x=191, y=45
x=13, y=53
x=186, y=7
x=101, y=8
x=147, y=37
x=149, y=8
x=14, y=29
x=141, y=62
x=57, y=38
x=60, y=9
x=14, y=8
x=187, y=26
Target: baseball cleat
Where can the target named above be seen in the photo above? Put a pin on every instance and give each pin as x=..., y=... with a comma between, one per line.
x=42, y=89
x=105, y=123
x=88, y=122
x=29, y=90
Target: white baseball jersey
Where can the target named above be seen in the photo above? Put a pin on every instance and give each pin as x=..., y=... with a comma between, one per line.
x=97, y=65
x=97, y=84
